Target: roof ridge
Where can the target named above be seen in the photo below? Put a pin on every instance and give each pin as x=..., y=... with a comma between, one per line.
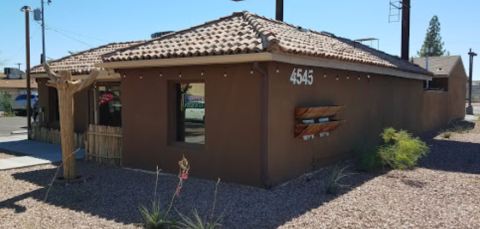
x=105, y=56
x=88, y=50
x=270, y=41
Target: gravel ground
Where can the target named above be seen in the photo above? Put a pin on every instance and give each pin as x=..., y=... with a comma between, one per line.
x=8, y=155
x=441, y=193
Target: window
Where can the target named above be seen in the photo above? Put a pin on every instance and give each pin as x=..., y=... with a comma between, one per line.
x=190, y=112
x=109, y=105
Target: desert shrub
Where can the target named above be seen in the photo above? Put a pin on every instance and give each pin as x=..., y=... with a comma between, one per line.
x=6, y=103
x=368, y=159
x=401, y=150
x=446, y=134
x=333, y=183
x=197, y=222
x=157, y=217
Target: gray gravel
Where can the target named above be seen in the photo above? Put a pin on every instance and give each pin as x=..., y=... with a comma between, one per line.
x=441, y=193
x=4, y=155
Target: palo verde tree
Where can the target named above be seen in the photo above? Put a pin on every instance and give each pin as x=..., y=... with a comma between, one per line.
x=66, y=88
x=433, y=44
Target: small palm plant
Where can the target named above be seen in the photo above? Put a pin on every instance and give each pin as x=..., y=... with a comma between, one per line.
x=333, y=182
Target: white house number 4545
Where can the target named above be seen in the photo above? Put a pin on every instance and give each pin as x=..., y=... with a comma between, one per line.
x=299, y=76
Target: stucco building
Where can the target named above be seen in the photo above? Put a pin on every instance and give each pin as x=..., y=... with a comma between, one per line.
x=278, y=100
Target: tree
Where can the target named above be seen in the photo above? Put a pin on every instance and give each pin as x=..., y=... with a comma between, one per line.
x=433, y=40
x=72, y=52
x=66, y=88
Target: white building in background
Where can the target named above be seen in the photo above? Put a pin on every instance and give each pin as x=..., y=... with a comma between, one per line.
x=475, y=91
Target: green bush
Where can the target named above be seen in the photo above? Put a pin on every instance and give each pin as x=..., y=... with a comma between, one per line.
x=6, y=103
x=401, y=150
x=368, y=159
x=447, y=134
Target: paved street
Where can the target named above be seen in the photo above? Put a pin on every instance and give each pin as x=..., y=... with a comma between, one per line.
x=9, y=124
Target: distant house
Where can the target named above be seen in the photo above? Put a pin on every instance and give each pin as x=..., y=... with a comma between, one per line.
x=15, y=87
x=449, y=75
x=475, y=91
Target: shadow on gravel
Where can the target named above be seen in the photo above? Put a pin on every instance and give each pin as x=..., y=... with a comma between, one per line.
x=116, y=194
x=451, y=155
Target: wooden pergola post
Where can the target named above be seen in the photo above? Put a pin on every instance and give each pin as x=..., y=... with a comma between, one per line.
x=66, y=88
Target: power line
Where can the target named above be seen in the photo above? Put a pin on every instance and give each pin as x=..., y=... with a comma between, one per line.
x=48, y=26
x=23, y=46
x=69, y=37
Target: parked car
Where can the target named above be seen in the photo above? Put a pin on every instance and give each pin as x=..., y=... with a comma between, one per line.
x=20, y=103
x=195, y=111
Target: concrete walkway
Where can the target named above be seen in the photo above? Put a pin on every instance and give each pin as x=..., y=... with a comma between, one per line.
x=36, y=153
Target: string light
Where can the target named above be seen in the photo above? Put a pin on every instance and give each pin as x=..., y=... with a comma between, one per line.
x=124, y=76
x=251, y=71
x=225, y=74
x=141, y=76
x=337, y=78
x=161, y=74
x=278, y=70
x=324, y=75
x=348, y=77
x=358, y=77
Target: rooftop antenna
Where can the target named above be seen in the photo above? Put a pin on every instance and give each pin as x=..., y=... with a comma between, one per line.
x=394, y=16
x=372, y=40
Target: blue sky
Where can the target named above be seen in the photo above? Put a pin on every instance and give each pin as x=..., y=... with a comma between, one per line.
x=102, y=21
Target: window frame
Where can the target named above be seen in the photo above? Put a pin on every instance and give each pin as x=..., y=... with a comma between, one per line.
x=172, y=108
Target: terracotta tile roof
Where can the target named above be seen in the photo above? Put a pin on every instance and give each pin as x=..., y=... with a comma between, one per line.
x=82, y=62
x=245, y=32
x=438, y=65
x=16, y=83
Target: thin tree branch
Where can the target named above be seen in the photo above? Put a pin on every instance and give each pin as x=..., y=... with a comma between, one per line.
x=87, y=82
x=53, y=77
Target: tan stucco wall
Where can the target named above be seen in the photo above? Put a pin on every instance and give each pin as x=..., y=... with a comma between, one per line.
x=457, y=88
x=382, y=102
x=233, y=148
x=233, y=122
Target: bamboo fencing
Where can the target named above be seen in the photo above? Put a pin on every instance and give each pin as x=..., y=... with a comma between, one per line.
x=104, y=144
x=53, y=136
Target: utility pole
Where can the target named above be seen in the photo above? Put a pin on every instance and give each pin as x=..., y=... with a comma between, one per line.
x=405, y=29
x=27, y=10
x=19, y=65
x=279, y=10
x=43, y=34
x=470, y=108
